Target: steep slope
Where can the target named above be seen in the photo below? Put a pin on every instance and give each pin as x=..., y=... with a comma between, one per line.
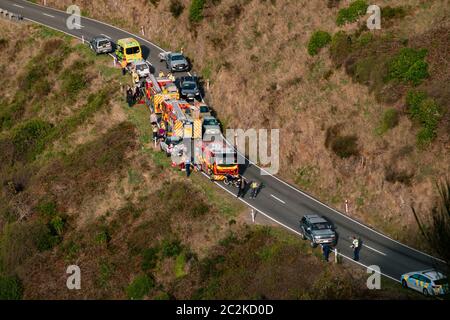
x=346, y=129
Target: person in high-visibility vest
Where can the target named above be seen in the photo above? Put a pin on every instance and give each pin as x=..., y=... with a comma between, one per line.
x=170, y=76
x=355, y=246
x=161, y=74
x=254, y=187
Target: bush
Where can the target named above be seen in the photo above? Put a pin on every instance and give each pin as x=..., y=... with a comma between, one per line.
x=352, y=13
x=389, y=12
x=176, y=8
x=149, y=259
x=392, y=175
x=340, y=48
x=389, y=121
x=29, y=138
x=171, y=248
x=409, y=66
x=140, y=287
x=425, y=111
x=73, y=83
x=196, y=10
x=10, y=288
x=318, y=40
x=345, y=146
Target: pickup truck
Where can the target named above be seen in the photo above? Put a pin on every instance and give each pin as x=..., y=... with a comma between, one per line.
x=175, y=61
x=317, y=230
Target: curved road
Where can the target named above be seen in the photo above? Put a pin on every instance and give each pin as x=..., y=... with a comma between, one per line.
x=278, y=200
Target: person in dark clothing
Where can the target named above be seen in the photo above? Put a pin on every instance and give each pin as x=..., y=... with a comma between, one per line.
x=129, y=97
x=356, y=246
x=241, y=187
x=187, y=165
x=326, y=251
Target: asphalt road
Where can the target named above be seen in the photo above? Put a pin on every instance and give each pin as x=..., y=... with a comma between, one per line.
x=278, y=200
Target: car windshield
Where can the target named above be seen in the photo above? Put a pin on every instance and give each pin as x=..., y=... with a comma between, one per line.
x=441, y=282
x=204, y=109
x=103, y=42
x=177, y=57
x=320, y=226
x=141, y=67
x=210, y=122
x=133, y=50
x=189, y=85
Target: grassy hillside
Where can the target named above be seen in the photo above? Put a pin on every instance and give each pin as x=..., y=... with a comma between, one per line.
x=363, y=115
x=81, y=184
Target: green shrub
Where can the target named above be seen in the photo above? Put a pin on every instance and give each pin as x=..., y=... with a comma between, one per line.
x=409, y=66
x=340, y=48
x=352, y=12
x=196, y=10
x=140, y=287
x=73, y=83
x=425, y=111
x=171, y=248
x=389, y=12
x=29, y=138
x=345, y=146
x=10, y=288
x=176, y=8
x=149, y=259
x=199, y=209
x=389, y=121
x=318, y=40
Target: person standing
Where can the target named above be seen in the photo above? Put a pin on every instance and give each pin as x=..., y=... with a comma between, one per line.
x=355, y=246
x=241, y=187
x=130, y=96
x=254, y=187
x=187, y=165
x=326, y=251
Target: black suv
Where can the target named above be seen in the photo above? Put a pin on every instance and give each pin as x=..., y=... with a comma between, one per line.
x=189, y=89
x=317, y=230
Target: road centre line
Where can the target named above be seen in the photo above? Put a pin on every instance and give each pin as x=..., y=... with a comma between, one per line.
x=48, y=15
x=18, y=6
x=277, y=199
x=364, y=245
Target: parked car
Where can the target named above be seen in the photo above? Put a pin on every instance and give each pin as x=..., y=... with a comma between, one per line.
x=211, y=126
x=141, y=67
x=204, y=111
x=175, y=61
x=428, y=282
x=317, y=230
x=188, y=87
x=101, y=44
x=175, y=141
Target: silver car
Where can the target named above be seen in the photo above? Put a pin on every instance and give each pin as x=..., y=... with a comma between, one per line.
x=175, y=61
x=175, y=142
x=101, y=44
x=211, y=126
x=428, y=282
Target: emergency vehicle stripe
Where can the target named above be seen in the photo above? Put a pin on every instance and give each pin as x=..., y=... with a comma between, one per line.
x=178, y=129
x=197, y=129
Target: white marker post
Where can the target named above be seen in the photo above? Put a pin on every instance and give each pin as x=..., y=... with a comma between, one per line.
x=346, y=206
x=82, y=39
x=336, y=255
x=143, y=31
x=253, y=215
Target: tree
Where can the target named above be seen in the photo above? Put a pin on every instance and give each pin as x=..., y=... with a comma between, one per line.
x=436, y=231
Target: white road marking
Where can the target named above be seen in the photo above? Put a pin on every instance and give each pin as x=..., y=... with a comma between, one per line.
x=289, y=228
x=48, y=15
x=18, y=6
x=105, y=35
x=374, y=249
x=78, y=25
x=277, y=199
x=267, y=173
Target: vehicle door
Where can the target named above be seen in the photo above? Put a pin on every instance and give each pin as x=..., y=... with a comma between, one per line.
x=413, y=282
x=424, y=283
x=308, y=229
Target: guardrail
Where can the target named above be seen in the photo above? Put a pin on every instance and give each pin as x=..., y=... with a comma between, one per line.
x=10, y=15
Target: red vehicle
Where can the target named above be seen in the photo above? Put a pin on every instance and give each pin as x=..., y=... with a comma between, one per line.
x=217, y=159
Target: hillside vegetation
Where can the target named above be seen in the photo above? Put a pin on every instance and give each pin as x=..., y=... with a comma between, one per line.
x=80, y=183
x=363, y=114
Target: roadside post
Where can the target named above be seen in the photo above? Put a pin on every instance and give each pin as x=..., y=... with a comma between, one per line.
x=336, y=257
x=346, y=206
x=82, y=39
x=253, y=215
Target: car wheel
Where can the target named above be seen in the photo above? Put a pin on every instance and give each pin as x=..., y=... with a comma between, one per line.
x=404, y=284
x=425, y=292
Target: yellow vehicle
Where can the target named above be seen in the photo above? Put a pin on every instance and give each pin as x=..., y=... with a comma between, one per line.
x=128, y=49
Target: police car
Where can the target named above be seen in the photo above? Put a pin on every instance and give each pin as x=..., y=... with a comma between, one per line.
x=428, y=282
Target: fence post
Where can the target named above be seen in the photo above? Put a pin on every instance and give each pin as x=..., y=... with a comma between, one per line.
x=336, y=258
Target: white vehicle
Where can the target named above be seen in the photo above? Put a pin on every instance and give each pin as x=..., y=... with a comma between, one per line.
x=141, y=67
x=428, y=282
